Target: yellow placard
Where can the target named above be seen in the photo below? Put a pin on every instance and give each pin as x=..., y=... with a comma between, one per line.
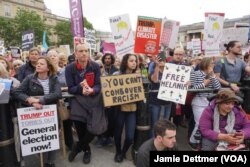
x=122, y=89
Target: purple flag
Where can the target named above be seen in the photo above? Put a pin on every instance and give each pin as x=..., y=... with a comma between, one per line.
x=76, y=18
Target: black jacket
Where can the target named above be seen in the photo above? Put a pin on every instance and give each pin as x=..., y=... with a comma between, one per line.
x=32, y=87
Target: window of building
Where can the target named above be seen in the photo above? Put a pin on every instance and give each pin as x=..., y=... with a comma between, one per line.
x=32, y=2
x=7, y=10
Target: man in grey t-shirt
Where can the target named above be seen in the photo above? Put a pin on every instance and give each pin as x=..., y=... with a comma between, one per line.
x=230, y=69
x=165, y=140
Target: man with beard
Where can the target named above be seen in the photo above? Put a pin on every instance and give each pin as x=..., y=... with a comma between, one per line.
x=108, y=61
x=105, y=139
x=230, y=69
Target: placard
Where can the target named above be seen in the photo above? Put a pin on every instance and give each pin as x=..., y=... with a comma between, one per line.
x=38, y=129
x=173, y=83
x=122, y=89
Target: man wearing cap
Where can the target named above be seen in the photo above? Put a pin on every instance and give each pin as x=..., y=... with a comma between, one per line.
x=223, y=123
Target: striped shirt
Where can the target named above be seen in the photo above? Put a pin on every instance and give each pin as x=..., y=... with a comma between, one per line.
x=197, y=82
x=45, y=85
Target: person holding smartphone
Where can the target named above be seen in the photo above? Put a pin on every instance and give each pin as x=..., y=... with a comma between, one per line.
x=223, y=123
x=156, y=104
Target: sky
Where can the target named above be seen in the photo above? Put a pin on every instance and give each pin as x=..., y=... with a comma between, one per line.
x=98, y=12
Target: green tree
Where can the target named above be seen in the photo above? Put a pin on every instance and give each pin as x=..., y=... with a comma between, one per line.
x=29, y=20
x=6, y=32
x=87, y=24
x=64, y=34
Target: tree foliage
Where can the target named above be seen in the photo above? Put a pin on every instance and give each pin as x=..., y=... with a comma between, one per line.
x=64, y=34
x=11, y=29
x=29, y=20
x=6, y=32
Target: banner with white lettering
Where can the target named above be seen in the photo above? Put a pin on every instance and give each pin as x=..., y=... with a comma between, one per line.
x=122, y=34
x=38, y=129
x=76, y=18
x=28, y=39
x=173, y=83
x=169, y=33
x=122, y=89
x=213, y=29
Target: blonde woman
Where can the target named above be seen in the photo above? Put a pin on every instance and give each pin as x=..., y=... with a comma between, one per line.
x=16, y=66
x=67, y=124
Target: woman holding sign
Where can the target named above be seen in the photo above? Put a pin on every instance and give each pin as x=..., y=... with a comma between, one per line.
x=126, y=115
x=43, y=83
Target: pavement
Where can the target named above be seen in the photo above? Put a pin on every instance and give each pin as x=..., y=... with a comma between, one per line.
x=102, y=157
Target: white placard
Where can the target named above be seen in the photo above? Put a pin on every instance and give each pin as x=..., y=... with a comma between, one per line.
x=213, y=29
x=173, y=83
x=235, y=34
x=169, y=33
x=122, y=34
x=196, y=46
x=38, y=129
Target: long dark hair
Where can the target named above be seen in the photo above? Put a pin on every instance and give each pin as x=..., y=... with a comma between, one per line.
x=112, y=58
x=124, y=63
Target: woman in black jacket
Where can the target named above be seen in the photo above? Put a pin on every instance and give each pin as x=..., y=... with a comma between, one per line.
x=40, y=89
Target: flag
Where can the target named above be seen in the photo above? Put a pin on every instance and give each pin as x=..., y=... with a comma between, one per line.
x=45, y=46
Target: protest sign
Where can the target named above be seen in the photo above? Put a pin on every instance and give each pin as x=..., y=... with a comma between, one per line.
x=122, y=89
x=196, y=46
x=148, y=33
x=28, y=39
x=122, y=34
x=38, y=129
x=213, y=29
x=173, y=83
x=235, y=34
x=78, y=40
x=65, y=49
x=90, y=38
x=2, y=49
x=169, y=33
x=5, y=85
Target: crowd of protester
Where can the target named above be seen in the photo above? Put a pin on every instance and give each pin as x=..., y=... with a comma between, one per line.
x=217, y=120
